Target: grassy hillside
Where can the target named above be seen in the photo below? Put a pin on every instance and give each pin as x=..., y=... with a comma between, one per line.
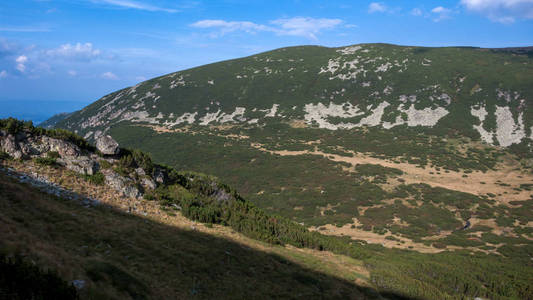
x=435, y=89
x=123, y=256
x=143, y=248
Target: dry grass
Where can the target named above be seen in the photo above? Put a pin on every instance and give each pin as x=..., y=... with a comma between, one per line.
x=477, y=182
x=173, y=256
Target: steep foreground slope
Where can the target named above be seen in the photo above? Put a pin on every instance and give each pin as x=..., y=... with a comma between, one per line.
x=114, y=255
x=123, y=246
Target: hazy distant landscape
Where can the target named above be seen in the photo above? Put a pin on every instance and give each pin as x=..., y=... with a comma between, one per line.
x=37, y=110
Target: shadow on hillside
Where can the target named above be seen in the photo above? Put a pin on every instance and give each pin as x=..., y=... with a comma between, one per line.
x=120, y=255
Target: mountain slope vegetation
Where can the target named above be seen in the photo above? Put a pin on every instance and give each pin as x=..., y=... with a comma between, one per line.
x=421, y=149
x=340, y=139
x=127, y=247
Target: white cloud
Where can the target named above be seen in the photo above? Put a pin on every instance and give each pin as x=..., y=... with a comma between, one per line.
x=306, y=27
x=21, y=63
x=136, y=5
x=3, y=74
x=442, y=13
x=298, y=26
x=440, y=10
x=72, y=73
x=416, y=12
x=377, y=7
x=140, y=78
x=503, y=11
x=77, y=52
x=230, y=26
x=109, y=75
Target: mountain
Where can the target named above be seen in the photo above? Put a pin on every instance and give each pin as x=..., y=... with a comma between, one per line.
x=473, y=92
x=52, y=121
x=422, y=149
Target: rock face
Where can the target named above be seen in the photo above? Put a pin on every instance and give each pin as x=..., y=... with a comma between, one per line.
x=9, y=145
x=107, y=145
x=122, y=184
x=27, y=145
x=23, y=145
x=82, y=164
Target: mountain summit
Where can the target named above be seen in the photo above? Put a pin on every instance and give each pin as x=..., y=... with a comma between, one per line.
x=479, y=93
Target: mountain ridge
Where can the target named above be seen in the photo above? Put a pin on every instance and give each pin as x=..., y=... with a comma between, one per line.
x=365, y=85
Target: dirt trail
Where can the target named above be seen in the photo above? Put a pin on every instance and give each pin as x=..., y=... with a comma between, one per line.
x=477, y=182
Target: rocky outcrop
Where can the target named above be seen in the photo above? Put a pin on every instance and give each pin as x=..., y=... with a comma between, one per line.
x=9, y=145
x=82, y=164
x=27, y=144
x=122, y=184
x=107, y=145
x=148, y=183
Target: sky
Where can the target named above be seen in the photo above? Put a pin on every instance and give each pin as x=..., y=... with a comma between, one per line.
x=80, y=50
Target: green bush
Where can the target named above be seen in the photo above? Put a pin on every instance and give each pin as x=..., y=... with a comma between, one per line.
x=45, y=161
x=104, y=164
x=131, y=159
x=53, y=155
x=98, y=178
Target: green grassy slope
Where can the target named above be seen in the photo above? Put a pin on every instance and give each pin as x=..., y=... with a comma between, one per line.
x=114, y=250
x=121, y=256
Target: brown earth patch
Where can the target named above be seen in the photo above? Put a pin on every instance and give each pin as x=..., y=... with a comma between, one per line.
x=506, y=173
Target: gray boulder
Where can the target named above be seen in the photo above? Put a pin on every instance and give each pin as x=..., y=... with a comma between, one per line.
x=64, y=148
x=219, y=193
x=121, y=184
x=107, y=145
x=9, y=145
x=81, y=164
x=148, y=183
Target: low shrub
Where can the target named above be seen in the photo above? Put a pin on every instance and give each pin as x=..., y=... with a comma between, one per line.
x=45, y=161
x=98, y=178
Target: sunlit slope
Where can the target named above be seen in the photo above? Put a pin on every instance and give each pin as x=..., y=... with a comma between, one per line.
x=473, y=92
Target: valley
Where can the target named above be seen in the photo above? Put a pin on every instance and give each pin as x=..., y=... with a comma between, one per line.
x=126, y=227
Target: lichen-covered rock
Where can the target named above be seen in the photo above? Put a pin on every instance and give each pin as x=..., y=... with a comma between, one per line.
x=80, y=164
x=9, y=145
x=219, y=193
x=64, y=148
x=148, y=183
x=140, y=172
x=122, y=184
x=107, y=145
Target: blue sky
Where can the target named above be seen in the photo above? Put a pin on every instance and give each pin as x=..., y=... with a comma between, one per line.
x=79, y=50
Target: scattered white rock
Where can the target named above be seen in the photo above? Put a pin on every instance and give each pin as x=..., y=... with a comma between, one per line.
x=481, y=113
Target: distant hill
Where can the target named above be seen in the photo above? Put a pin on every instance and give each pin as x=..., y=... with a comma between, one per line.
x=50, y=123
x=469, y=91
